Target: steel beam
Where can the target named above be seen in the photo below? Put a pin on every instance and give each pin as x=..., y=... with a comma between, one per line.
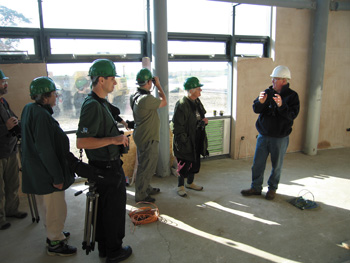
x=160, y=64
x=318, y=58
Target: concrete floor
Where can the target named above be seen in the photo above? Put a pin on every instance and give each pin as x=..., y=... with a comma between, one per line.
x=218, y=224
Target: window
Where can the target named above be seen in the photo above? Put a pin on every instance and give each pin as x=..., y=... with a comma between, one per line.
x=252, y=20
x=17, y=46
x=19, y=13
x=199, y=16
x=91, y=14
x=196, y=48
x=74, y=85
x=250, y=49
x=214, y=76
x=95, y=46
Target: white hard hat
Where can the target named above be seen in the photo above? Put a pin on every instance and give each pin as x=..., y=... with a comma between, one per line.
x=281, y=72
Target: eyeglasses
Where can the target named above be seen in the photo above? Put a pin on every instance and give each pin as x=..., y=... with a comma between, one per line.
x=276, y=79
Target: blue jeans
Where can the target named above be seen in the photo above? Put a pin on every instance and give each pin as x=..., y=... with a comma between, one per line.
x=265, y=145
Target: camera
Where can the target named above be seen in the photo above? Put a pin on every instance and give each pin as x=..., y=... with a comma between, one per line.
x=16, y=131
x=124, y=149
x=154, y=81
x=272, y=104
x=131, y=124
x=270, y=93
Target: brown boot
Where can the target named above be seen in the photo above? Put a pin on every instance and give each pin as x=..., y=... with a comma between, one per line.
x=270, y=195
x=193, y=186
x=250, y=192
x=181, y=191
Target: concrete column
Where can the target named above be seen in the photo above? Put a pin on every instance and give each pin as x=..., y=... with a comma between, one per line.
x=160, y=65
x=316, y=76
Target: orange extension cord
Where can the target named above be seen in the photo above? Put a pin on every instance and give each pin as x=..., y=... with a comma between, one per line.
x=144, y=214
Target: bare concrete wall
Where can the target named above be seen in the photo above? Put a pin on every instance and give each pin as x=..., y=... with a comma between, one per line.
x=335, y=109
x=292, y=48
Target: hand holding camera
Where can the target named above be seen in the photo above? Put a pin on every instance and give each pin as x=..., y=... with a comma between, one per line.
x=11, y=122
x=13, y=127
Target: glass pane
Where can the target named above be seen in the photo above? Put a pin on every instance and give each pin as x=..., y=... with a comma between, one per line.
x=199, y=16
x=213, y=75
x=91, y=14
x=16, y=46
x=89, y=46
x=252, y=20
x=75, y=85
x=196, y=48
x=19, y=13
x=250, y=49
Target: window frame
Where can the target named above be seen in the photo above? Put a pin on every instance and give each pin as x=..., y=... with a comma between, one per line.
x=93, y=35
x=229, y=40
x=22, y=33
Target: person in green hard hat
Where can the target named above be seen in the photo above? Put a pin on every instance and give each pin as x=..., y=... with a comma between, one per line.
x=146, y=132
x=190, y=139
x=45, y=171
x=10, y=133
x=83, y=89
x=99, y=135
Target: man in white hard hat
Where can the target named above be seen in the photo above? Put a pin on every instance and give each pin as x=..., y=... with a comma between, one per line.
x=277, y=107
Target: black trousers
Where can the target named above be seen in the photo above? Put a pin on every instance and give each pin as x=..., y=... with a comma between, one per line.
x=110, y=225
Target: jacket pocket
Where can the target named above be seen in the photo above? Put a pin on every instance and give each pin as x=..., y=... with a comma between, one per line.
x=183, y=144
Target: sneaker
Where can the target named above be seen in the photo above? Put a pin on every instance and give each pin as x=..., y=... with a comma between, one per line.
x=123, y=254
x=148, y=198
x=250, y=192
x=270, y=195
x=65, y=233
x=193, y=186
x=60, y=248
x=181, y=191
x=5, y=225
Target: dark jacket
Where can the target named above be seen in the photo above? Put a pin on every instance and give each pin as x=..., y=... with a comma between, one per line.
x=8, y=140
x=190, y=138
x=277, y=121
x=44, y=151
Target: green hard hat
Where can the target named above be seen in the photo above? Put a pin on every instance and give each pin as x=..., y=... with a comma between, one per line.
x=2, y=75
x=42, y=85
x=103, y=68
x=81, y=82
x=143, y=76
x=192, y=83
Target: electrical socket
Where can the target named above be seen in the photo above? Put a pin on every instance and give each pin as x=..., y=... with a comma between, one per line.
x=242, y=138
